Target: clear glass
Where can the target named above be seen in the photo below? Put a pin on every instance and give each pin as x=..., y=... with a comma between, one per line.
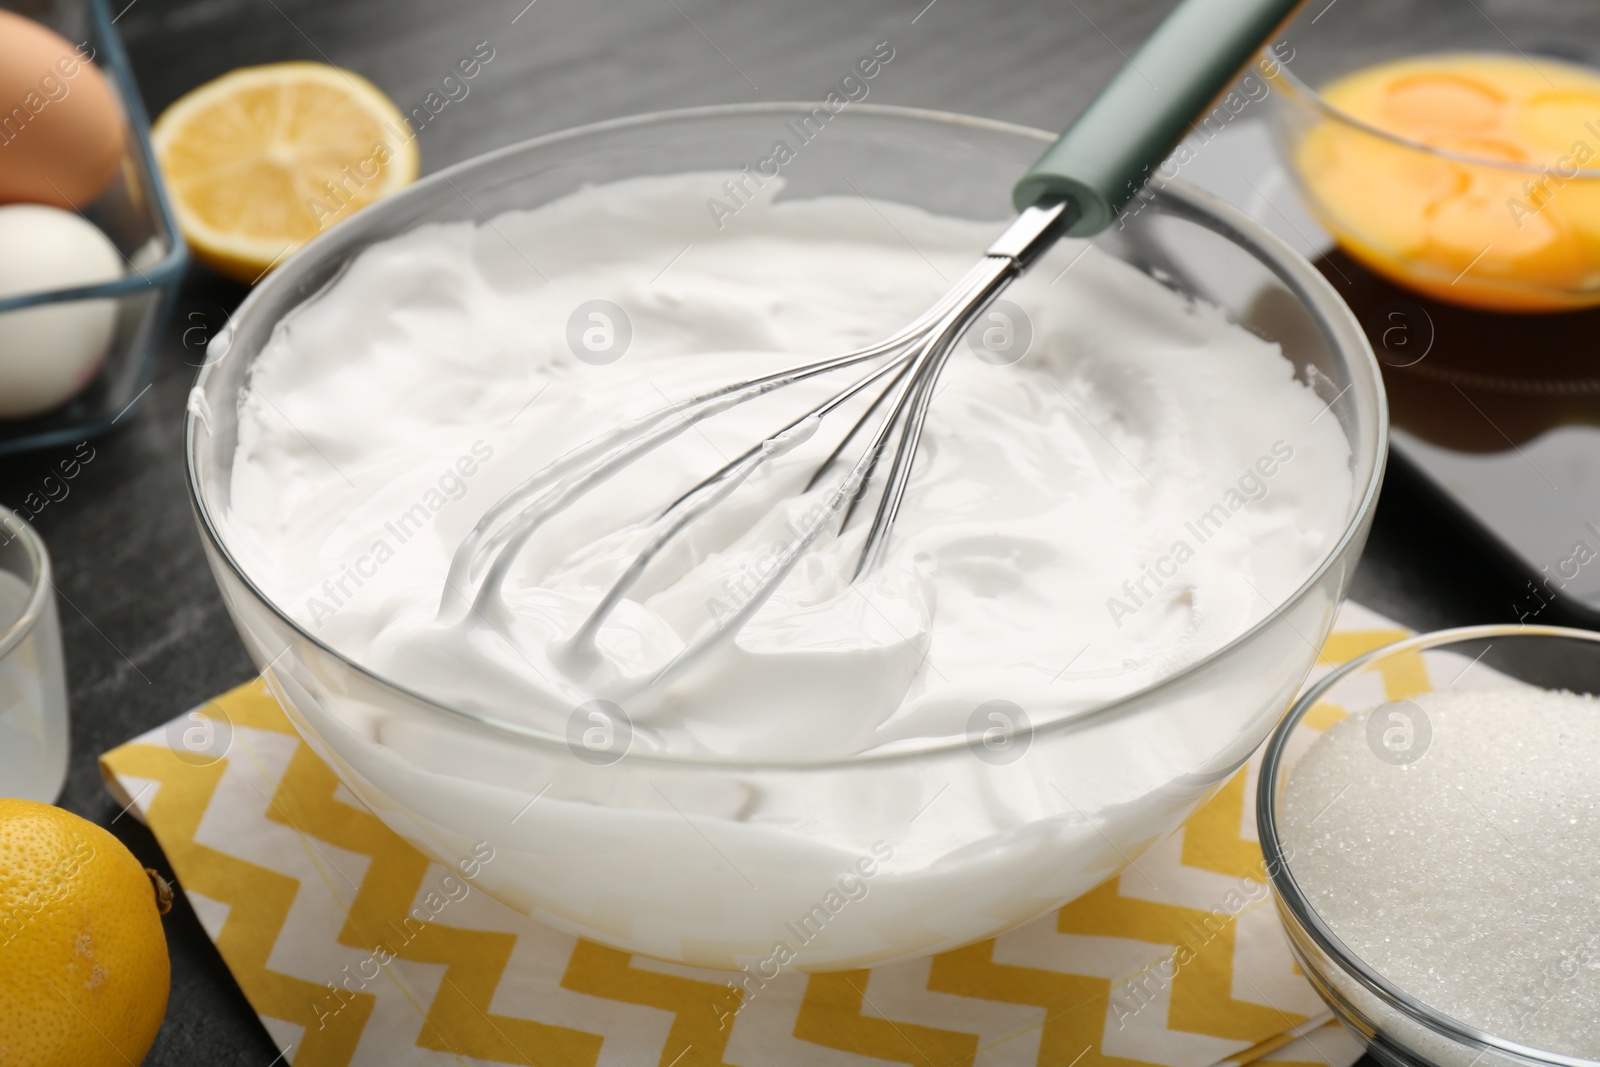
x=1543, y=257
x=708, y=861
x=33, y=680
x=134, y=213
x=1398, y=1029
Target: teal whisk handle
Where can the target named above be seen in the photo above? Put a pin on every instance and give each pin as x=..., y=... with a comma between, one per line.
x=1108, y=152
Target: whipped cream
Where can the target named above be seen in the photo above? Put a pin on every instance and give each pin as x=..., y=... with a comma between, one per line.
x=1147, y=482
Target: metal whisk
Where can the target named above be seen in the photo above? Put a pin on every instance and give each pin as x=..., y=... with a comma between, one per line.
x=1076, y=188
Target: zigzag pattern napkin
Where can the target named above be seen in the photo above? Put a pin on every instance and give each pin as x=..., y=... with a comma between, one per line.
x=1179, y=962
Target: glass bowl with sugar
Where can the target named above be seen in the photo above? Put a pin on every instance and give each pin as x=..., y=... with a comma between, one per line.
x=1427, y=813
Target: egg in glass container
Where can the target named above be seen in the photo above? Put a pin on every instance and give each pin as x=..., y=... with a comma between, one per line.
x=61, y=129
x=48, y=353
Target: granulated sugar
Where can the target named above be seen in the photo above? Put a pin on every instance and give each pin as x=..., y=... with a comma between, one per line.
x=1470, y=878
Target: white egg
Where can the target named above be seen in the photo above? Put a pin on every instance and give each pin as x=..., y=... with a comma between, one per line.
x=50, y=352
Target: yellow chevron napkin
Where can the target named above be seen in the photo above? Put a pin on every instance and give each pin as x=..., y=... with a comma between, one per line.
x=1178, y=962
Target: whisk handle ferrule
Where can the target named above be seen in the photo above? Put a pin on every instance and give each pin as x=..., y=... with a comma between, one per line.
x=1108, y=153
x=1033, y=231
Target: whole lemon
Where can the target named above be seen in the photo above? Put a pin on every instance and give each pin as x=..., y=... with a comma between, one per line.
x=83, y=959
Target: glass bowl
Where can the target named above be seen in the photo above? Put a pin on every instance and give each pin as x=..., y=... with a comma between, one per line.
x=1397, y=1027
x=33, y=676
x=712, y=861
x=134, y=213
x=1376, y=191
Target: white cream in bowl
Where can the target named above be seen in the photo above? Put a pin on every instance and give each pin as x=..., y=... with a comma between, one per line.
x=1142, y=486
x=1145, y=484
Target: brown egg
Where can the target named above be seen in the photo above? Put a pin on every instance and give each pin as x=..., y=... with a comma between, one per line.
x=61, y=128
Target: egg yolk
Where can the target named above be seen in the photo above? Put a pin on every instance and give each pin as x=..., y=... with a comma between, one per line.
x=1503, y=214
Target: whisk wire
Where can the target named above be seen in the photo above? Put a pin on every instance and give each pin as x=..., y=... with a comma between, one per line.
x=549, y=490
x=707, y=494
x=914, y=357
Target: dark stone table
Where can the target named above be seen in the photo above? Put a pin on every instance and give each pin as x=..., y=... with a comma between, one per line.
x=146, y=634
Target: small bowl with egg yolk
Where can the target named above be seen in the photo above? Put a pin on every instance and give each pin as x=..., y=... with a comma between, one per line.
x=1450, y=153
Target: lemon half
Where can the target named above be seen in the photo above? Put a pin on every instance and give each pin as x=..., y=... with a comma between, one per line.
x=264, y=158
